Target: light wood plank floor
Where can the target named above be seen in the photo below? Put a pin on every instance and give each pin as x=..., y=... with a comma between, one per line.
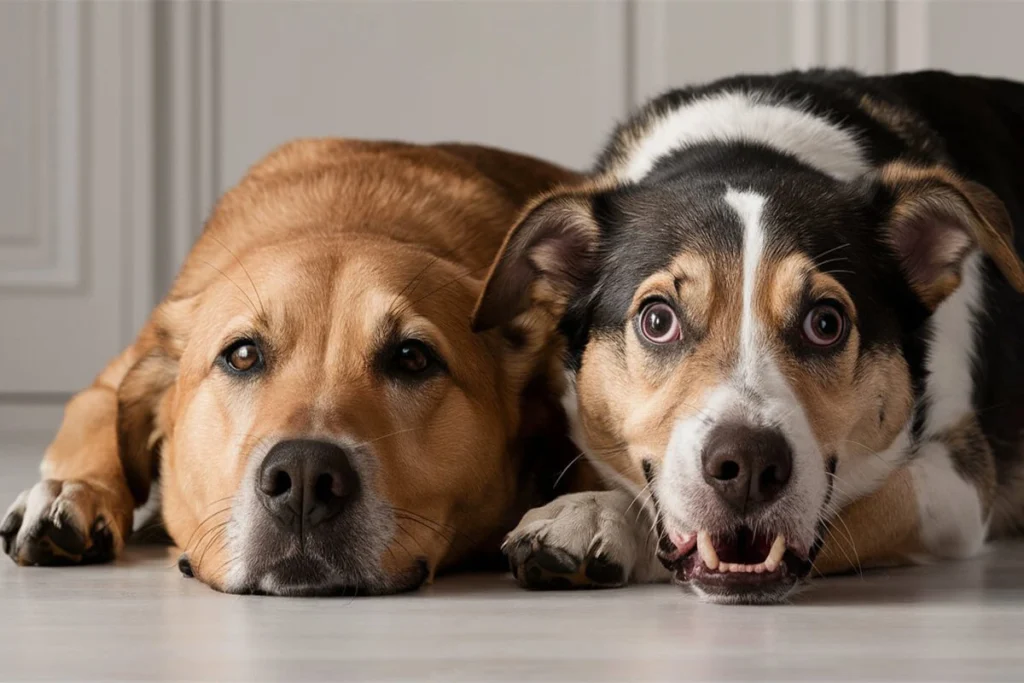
x=140, y=620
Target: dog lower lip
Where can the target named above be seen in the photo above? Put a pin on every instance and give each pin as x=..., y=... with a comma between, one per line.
x=303, y=577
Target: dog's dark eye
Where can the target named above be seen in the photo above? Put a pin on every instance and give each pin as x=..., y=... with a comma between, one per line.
x=243, y=356
x=659, y=324
x=413, y=357
x=824, y=325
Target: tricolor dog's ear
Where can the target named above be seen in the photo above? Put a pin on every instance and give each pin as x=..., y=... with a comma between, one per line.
x=145, y=397
x=936, y=219
x=545, y=258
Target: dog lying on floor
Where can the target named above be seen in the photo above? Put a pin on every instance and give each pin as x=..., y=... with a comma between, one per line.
x=310, y=395
x=783, y=297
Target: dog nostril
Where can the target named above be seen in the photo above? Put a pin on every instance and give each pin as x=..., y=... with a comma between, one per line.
x=769, y=479
x=728, y=470
x=323, y=489
x=282, y=484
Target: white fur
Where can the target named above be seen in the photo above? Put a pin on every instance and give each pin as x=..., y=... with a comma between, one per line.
x=951, y=352
x=758, y=394
x=952, y=523
x=751, y=117
x=862, y=472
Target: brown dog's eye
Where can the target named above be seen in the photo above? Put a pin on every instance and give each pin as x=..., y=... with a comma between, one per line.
x=659, y=323
x=824, y=325
x=243, y=356
x=413, y=357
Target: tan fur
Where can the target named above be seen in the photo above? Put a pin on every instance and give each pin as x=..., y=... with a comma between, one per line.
x=877, y=530
x=855, y=405
x=320, y=247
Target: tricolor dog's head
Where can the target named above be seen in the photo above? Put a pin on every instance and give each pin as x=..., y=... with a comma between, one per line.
x=324, y=417
x=742, y=333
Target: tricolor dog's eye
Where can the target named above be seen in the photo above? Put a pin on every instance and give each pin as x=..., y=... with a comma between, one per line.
x=824, y=325
x=242, y=357
x=413, y=357
x=659, y=323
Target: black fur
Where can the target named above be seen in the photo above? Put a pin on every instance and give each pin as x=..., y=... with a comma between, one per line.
x=975, y=126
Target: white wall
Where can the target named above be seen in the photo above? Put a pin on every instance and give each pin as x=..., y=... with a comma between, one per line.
x=121, y=122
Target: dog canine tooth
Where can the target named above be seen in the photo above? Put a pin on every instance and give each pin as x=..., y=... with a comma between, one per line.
x=707, y=550
x=771, y=563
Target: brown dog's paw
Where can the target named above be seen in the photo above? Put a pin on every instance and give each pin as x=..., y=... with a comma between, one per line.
x=63, y=523
x=577, y=541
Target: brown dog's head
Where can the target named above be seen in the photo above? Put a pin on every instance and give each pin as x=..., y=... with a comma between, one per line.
x=324, y=417
x=745, y=340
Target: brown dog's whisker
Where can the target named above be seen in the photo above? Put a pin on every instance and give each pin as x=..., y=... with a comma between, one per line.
x=252, y=304
x=206, y=520
x=241, y=265
x=436, y=527
x=386, y=436
x=211, y=529
x=405, y=531
x=215, y=538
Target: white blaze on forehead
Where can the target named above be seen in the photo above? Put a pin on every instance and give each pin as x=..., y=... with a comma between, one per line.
x=749, y=206
x=748, y=117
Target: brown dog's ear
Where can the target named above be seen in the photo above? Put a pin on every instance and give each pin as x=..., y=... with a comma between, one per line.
x=139, y=399
x=545, y=258
x=937, y=219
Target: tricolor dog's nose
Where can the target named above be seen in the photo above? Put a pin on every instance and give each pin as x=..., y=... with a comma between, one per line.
x=304, y=482
x=747, y=466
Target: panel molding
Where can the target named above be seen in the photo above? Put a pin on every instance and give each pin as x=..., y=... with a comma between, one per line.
x=188, y=108
x=50, y=257
x=138, y=210
x=842, y=34
x=910, y=23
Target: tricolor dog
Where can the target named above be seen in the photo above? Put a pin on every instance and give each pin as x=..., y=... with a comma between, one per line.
x=791, y=311
x=309, y=395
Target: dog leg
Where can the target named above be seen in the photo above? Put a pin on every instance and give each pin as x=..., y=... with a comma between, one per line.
x=81, y=511
x=935, y=507
x=597, y=539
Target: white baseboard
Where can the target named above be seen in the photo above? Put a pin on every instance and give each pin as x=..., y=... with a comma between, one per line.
x=30, y=421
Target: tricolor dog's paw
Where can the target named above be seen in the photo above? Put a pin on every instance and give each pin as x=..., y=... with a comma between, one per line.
x=64, y=523
x=581, y=540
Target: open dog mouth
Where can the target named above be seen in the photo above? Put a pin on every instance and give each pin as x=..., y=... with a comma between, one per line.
x=741, y=563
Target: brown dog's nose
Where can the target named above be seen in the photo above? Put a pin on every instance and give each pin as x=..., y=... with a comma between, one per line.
x=304, y=482
x=747, y=466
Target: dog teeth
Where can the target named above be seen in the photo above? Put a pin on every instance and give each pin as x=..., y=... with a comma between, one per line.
x=707, y=551
x=771, y=563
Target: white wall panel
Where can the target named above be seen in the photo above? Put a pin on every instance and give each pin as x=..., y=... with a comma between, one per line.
x=75, y=288
x=547, y=78
x=121, y=122
x=967, y=36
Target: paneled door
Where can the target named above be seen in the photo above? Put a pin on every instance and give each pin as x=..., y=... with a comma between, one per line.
x=75, y=174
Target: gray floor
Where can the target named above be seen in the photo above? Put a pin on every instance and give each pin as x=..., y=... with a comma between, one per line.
x=140, y=620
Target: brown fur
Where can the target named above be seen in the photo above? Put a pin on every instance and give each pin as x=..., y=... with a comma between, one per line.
x=320, y=247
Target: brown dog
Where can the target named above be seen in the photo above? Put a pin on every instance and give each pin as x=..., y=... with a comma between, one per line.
x=310, y=395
